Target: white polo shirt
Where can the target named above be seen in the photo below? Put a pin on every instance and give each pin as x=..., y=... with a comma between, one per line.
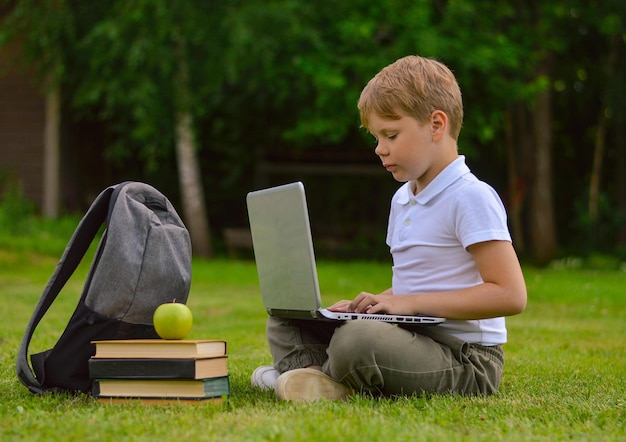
x=428, y=236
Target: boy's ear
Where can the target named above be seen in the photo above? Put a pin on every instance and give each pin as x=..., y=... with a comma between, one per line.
x=438, y=124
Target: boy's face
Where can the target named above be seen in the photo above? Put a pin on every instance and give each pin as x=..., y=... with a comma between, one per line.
x=409, y=149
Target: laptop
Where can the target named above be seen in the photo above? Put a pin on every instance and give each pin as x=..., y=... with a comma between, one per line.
x=285, y=259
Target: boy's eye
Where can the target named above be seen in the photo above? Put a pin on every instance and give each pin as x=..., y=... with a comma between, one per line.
x=391, y=136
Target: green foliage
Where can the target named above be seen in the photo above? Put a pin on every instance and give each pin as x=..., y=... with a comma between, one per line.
x=597, y=235
x=32, y=234
x=46, y=30
x=21, y=229
x=15, y=210
x=130, y=62
x=276, y=80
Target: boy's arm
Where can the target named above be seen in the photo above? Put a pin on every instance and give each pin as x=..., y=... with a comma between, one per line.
x=503, y=292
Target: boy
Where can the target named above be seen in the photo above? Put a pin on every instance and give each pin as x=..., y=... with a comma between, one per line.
x=452, y=257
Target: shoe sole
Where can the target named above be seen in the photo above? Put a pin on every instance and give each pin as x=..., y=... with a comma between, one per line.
x=308, y=385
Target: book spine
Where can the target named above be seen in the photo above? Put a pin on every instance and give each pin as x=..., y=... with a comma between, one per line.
x=217, y=386
x=142, y=368
x=157, y=368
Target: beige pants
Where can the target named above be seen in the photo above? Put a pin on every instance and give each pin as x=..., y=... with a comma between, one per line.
x=381, y=358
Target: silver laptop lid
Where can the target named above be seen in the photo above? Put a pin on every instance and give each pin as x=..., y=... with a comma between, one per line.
x=283, y=250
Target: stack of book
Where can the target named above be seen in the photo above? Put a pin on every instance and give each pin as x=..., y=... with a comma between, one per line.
x=160, y=371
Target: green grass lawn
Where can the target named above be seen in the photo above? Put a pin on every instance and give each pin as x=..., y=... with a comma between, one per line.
x=565, y=372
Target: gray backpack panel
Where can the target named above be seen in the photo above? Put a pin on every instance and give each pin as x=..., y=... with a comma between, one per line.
x=146, y=261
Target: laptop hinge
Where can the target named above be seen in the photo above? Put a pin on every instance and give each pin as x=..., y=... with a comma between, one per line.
x=292, y=314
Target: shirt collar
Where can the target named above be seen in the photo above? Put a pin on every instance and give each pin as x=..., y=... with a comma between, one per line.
x=446, y=177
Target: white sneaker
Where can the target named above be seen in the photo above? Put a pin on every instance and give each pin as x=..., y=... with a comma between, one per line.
x=264, y=377
x=307, y=384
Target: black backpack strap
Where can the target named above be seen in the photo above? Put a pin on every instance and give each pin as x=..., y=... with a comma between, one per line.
x=72, y=256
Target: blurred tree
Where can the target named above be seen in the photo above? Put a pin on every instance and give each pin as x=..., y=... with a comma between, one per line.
x=503, y=60
x=225, y=84
x=127, y=62
x=43, y=31
x=512, y=59
x=608, y=22
x=590, y=102
x=135, y=63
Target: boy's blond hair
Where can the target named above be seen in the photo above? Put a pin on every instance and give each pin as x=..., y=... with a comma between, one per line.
x=414, y=86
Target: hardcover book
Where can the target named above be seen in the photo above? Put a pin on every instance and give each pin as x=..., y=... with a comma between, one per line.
x=162, y=388
x=159, y=348
x=157, y=368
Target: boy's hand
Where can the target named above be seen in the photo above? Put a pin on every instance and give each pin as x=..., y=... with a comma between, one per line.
x=383, y=303
x=351, y=306
x=341, y=306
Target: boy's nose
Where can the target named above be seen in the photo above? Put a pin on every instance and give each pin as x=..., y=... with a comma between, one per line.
x=380, y=150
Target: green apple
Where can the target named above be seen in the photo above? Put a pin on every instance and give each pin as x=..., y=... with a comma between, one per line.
x=172, y=320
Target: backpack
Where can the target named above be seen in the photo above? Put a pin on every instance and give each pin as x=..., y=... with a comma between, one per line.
x=142, y=261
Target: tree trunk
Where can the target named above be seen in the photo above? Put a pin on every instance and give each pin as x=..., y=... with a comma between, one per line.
x=52, y=153
x=542, y=228
x=516, y=187
x=596, y=168
x=620, y=147
x=192, y=194
x=620, y=165
x=600, y=143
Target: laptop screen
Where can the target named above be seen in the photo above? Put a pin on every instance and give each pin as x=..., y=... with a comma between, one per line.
x=283, y=248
